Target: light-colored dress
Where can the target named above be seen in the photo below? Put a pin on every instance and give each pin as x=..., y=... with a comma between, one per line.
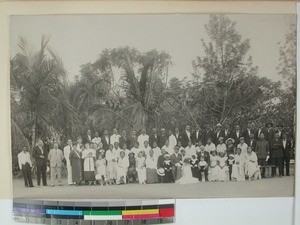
x=151, y=173
x=238, y=168
x=89, y=155
x=187, y=176
x=168, y=149
x=213, y=172
x=100, y=168
x=210, y=147
x=136, y=151
x=190, y=150
x=141, y=169
x=223, y=171
x=251, y=165
x=157, y=152
x=172, y=141
x=243, y=148
x=123, y=164
x=111, y=165
x=221, y=148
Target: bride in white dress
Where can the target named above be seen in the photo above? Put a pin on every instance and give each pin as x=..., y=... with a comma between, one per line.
x=187, y=177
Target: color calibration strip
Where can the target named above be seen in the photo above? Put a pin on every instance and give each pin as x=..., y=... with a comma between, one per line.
x=93, y=213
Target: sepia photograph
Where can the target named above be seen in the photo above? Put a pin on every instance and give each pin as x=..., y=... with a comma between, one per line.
x=153, y=106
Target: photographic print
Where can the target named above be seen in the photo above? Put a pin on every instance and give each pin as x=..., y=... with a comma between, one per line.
x=153, y=106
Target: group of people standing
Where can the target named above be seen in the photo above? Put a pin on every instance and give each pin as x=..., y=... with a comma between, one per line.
x=183, y=157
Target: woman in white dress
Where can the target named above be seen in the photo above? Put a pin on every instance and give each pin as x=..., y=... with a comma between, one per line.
x=168, y=148
x=243, y=146
x=190, y=149
x=238, y=168
x=251, y=166
x=221, y=147
x=187, y=177
x=223, y=168
x=141, y=168
x=213, y=172
x=123, y=164
x=111, y=157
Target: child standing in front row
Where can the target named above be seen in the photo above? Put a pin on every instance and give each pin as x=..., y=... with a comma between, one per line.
x=101, y=169
x=214, y=167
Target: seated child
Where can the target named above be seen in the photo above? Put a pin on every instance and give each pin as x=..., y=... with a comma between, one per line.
x=203, y=168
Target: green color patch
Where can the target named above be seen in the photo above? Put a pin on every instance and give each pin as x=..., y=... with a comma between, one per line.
x=103, y=213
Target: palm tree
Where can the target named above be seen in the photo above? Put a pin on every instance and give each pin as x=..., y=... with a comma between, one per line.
x=39, y=94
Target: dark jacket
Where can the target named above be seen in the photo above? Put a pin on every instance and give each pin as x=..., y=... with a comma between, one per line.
x=132, y=140
x=237, y=138
x=105, y=143
x=227, y=135
x=287, y=149
x=205, y=155
x=196, y=138
x=175, y=159
x=247, y=136
x=208, y=134
x=252, y=144
x=153, y=139
x=162, y=140
x=276, y=148
x=124, y=140
x=37, y=154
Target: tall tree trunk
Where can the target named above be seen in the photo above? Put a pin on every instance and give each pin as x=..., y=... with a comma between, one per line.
x=33, y=135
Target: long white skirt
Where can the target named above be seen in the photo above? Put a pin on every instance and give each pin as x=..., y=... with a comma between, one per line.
x=187, y=177
x=213, y=173
x=252, y=170
x=121, y=172
x=142, y=174
x=238, y=172
x=223, y=173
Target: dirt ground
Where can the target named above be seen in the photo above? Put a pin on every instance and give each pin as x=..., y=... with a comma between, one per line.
x=269, y=187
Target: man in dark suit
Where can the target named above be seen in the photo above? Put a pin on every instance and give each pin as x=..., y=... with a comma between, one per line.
x=123, y=140
x=237, y=134
x=208, y=133
x=88, y=137
x=247, y=133
x=105, y=140
x=259, y=131
x=40, y=155
x=197, y=136
x=269, y=132
x=133, y=139
x=154, y=137
x=163, y=137
x=276, y=155
x=252, y=142
x=280, y=130
x=176, y=160
x=186, y=136
x=287, y=148
x=177, y=135
x=226, y=132
x=217, y=134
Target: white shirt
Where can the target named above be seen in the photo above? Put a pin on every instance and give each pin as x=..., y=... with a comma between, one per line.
x=172, y=141
x=135, y=151
x=210, y=147
x=168, y=149
x=221, y=148
x=146, y=149
x=237, y=133
x=142, y=138
x=114, y=138
x=243, y=148
x=67, y=151
x=24, y=158
x=188, y=133
x=151, y=162
x=96, y=140
x=284, y=143
x=157, y=152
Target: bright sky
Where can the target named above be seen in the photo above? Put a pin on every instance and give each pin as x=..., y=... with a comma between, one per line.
x=79, y=39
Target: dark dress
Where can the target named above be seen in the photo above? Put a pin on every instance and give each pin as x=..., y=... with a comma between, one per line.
x=76, y=163
x=194, y=167
x=132, y=173
x=169, y=178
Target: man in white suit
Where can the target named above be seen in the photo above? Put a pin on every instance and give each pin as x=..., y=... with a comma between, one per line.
x=56, y=162
x=67, y=150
